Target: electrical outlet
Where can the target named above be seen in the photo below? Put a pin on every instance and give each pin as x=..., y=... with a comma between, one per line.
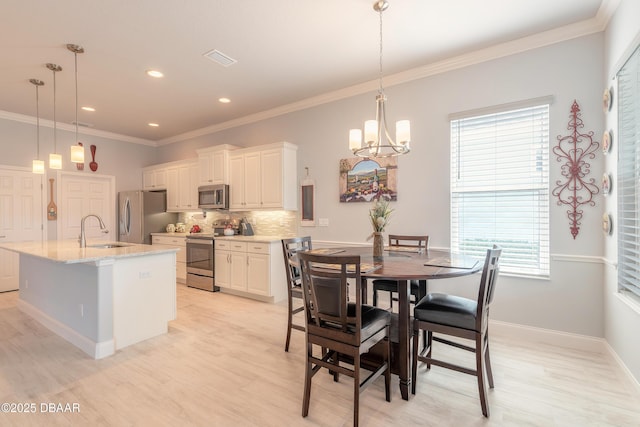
x=323, y=222
x=144, y=275
x=26, y=284
x=81, y=310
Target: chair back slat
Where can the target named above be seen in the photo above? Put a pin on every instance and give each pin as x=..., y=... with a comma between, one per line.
x=290, y=248
x=325, y=291
x=418, y=242
x=487, y=285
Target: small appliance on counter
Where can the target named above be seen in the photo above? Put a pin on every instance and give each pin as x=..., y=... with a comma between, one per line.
x=246, y=229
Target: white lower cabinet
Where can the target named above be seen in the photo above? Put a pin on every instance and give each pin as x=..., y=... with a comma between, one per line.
x=252, y=269
x=181, y=255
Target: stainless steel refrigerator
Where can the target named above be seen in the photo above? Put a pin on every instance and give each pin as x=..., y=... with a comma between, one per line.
x=141, y=213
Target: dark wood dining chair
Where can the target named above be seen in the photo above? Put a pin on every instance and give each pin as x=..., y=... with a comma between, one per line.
x=418, y=288
x=459, y=317
x=345, y=330
x=290, y=247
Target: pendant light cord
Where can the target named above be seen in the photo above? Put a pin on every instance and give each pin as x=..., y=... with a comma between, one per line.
x=55, y=129
x=37, y=123
x=75, y=55
x=380, y=90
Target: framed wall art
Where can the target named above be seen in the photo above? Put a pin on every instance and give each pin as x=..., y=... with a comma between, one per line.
x=364, y=180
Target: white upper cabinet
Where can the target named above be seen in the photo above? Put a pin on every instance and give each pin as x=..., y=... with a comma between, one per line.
x=213, y=164
x=154, y=178
x=182, y=187
x=264, y=177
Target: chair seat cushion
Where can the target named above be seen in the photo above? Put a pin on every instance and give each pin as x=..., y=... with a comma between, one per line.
x=447, y=310
x=373, y=319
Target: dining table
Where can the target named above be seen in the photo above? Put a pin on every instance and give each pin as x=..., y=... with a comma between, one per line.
x=404, y=264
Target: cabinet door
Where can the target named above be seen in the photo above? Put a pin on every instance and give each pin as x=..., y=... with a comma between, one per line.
x=258, y=274
x=271, y=179
x=252, y=177
x=148, y=180
x=205, y=164
x=238, y=279
x=236, y=182
x=222, y=269
x=173, y=190
x=160, y=178
x=154, y=179
x=219, y=167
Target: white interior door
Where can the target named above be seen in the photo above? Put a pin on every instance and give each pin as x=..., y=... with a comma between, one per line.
x=81, y=194
x=21, y=217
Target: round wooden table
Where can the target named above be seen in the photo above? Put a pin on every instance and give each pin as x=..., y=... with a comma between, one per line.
x=403, y=266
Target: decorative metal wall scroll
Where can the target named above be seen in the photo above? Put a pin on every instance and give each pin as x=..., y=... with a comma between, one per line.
x=573, y=151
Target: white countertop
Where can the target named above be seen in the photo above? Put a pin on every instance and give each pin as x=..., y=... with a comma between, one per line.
x=237, y=237
x=70, y=252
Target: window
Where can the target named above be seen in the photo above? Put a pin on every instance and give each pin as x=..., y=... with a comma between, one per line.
x=629, y=174
x=500, y=185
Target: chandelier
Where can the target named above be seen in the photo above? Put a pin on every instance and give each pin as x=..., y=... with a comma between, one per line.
x=377, y=140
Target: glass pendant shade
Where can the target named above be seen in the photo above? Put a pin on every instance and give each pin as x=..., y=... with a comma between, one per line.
x=38, y=167
x=77, y=154
x=55, y=161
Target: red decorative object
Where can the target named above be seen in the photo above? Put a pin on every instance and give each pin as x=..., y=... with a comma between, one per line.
x=574, y=150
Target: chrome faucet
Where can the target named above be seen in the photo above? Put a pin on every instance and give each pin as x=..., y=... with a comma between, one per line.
x=83, y=239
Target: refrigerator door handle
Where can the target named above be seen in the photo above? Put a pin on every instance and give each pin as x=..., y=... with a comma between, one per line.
x=127, y=216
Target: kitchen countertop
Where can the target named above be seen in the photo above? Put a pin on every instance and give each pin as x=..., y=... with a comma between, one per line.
x=237, y=237
x=70, y=252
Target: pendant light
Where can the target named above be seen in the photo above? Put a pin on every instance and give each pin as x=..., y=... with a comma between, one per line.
x=377, y=141
x=38, y=165
x=77, y=150
x=55, y=159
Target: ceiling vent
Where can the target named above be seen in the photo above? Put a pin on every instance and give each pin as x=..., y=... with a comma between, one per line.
x=83, y=124
x=220, y=58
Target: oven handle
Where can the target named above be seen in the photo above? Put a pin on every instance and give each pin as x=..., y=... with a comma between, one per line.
x=203, y=242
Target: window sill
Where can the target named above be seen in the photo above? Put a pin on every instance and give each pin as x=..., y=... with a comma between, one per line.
x=525, y=276
x=630, y=300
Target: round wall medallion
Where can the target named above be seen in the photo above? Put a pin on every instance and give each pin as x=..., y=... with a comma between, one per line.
x=606, y=183
x=607, y=223
x=607, y=99
x=607, y=140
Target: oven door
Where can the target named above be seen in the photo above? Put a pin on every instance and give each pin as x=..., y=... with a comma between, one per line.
x=200, y=267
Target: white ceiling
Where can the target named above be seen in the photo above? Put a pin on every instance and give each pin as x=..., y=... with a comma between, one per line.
x=288, y=51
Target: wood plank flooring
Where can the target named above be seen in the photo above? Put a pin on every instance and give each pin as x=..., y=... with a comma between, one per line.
x=215, y=367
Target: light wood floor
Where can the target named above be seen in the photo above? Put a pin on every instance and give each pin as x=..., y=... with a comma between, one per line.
x=215, y=367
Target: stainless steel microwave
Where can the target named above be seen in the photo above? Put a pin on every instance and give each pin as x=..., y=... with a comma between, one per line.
x=213, y=196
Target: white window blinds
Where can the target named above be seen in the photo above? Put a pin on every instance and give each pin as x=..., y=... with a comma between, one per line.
x=628, y=182
x=500, y=187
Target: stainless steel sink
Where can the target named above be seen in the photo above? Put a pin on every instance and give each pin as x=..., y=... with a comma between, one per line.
x=109, y=245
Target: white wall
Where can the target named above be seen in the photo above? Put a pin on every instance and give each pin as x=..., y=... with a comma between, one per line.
x=622, y=319
x=572, y=300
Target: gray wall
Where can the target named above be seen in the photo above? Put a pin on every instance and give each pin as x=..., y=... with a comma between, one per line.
x=571, y=300
x=622, y=316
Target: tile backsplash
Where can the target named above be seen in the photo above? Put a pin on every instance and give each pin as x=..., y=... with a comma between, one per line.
x=266, y=223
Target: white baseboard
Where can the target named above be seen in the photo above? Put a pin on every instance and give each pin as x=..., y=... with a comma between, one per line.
x=92, y=348
x=548, y=336
x=561, y=339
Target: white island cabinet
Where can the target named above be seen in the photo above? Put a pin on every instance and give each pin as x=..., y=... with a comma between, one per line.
x=100, y=299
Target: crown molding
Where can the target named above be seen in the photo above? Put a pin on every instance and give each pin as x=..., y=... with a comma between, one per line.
x=22, y=118
x=579, y=29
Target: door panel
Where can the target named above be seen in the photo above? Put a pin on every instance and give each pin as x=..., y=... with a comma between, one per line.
x=21, y=217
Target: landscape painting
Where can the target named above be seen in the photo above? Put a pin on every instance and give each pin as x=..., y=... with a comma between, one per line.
x=365, y=180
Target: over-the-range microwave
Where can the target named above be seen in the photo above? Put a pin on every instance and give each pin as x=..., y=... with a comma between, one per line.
x=213, y=196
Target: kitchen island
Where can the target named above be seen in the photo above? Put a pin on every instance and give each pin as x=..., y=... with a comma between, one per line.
x=100, y=298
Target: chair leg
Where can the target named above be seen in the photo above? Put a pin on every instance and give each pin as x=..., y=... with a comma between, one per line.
x=487, y=361
x=307, y=381
x=429, y=346
x=482, y=387
x=289, y=323
x=387, y=372
x=375, y=297
x=414, y=364
x=391, y=301
x=336, y=361
x=356, y=389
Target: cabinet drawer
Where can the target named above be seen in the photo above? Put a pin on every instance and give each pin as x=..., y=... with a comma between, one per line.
x=258, y=248
x=230, y=245
x=167, y=240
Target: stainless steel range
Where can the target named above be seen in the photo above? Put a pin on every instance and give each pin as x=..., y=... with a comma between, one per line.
x=200, y=265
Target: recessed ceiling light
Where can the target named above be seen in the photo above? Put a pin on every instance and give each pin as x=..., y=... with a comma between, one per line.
x=154, y=125
x=155, y=73
x=88, y=109
x=224, y=100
